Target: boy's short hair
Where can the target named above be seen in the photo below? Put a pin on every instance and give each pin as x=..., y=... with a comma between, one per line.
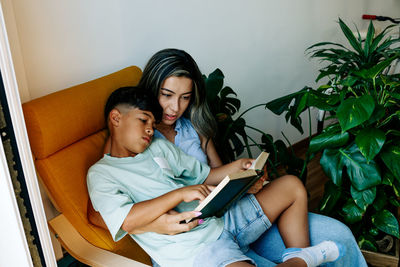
x=133, y=97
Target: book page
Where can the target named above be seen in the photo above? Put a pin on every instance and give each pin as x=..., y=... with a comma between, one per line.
x=260, y=161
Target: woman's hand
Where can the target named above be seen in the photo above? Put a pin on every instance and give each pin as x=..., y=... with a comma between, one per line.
x=244, y=164
x=260, y=183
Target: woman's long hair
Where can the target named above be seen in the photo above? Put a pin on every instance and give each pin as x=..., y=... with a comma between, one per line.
x=178, y=63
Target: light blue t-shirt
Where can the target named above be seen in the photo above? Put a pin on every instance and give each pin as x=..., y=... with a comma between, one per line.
x=116, y=184
x=186, y=139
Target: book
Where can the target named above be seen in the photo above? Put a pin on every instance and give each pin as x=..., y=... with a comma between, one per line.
x=231, y=188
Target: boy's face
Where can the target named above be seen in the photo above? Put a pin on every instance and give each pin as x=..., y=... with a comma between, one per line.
x=132, y=131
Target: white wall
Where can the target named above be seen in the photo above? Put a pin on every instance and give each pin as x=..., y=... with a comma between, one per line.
x=258, y=44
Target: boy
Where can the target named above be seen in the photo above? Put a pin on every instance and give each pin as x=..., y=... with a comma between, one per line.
x=138, y=183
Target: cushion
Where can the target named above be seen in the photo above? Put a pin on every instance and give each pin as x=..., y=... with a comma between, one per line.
x=67, y=133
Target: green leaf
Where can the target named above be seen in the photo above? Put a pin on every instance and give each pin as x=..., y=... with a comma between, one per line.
x=377, y=115
x=321, y=100
x=370, y=141
x=396, y=188
x=373, y=231
x=323, y=73
x=328, y=139
x=390, y=117
x=350, y=37
x=279, y=105
x=394, y=95
x=213, y=84
x=369, y=39
x=332, y=165
x=268, y=143
x=391, y=157
x=349, y=81
x=238, y=146
x=366, y=243
x=325, y=43
x=394, y=202
x=393, y=132
x=387, y=178
x=294, y=120
x=331, y=195
x=282, y=150
x=354, y=111
x=233, y=104
x=362, y=174
x=380, y=199
x=227, y=91
x=363, y=198
x=375, y=70
x=302, y=104
x=352, y=213
x=385, y=221
x=379, y=37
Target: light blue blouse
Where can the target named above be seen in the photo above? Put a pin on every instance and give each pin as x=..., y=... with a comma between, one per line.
x=186, y=139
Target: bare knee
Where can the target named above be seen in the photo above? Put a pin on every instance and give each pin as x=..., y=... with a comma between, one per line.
x=294, y=185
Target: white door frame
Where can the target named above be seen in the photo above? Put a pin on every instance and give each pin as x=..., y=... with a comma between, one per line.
x=14, y=249
x=18, y=124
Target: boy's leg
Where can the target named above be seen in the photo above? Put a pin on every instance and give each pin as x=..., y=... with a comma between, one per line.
x=284, y=201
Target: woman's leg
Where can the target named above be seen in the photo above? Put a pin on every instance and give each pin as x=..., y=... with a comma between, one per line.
x=284, y=202
x=271, y=246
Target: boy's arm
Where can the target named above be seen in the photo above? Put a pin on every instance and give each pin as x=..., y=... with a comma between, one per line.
x=167, y=224
x=219, y=173
x=144, y=213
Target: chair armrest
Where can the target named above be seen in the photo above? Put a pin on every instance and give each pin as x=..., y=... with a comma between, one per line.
x=84, y=251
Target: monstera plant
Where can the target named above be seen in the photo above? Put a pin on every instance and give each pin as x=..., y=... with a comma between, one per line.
x=361, y=144
x=232, y=137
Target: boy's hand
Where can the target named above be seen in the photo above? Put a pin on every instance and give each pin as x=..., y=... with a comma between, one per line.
x=174, y=221
x=195, y=192
x=170, y=223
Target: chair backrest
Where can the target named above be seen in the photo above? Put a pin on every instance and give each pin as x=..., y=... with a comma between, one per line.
x=67, y=133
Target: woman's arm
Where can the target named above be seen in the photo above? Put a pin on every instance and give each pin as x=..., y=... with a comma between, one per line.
x=219, y=173
x=209, y=148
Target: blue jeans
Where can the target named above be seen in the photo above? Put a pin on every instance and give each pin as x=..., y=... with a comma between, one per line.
x=266, y=243
x=244, y=223
x=267, y=250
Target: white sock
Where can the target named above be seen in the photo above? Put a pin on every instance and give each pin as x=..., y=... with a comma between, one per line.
x=326, y=251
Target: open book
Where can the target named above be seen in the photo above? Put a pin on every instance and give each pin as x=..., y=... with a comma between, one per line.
x=231, y=188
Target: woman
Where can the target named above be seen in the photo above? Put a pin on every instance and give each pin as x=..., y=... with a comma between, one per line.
x=175, y=79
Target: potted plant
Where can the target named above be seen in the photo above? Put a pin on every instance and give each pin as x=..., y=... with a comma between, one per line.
x=361, y=146
x=232, y=138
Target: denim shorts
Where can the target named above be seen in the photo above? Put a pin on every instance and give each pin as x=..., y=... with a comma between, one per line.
x=244, y=223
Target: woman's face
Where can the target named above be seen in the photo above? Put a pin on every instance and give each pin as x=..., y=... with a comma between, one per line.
x=174, y=98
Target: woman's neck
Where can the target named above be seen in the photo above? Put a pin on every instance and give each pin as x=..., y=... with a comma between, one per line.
x=168, y=131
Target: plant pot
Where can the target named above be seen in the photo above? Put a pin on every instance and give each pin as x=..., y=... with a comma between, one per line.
x=377, y=259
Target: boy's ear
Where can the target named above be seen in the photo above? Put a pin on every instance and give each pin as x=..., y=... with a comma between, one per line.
x=114, y=117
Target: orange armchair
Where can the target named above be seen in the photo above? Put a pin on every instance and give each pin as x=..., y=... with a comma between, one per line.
x=67, y=133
